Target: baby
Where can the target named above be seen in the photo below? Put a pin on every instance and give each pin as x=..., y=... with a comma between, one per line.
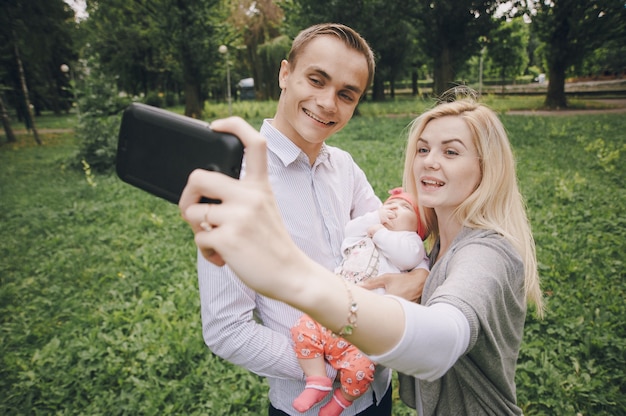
x=388, y=240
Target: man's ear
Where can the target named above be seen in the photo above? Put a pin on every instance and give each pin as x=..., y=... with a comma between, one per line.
x=283, y=74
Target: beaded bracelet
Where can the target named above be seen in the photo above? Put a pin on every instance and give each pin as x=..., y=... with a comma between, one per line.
x=348, y=329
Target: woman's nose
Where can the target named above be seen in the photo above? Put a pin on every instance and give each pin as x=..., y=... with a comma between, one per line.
x=431, y=160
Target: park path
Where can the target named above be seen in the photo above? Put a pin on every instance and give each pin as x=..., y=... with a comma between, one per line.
x=45, y=131
x=618, y=103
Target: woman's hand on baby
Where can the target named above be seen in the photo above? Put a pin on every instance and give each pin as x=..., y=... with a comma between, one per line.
x=409, y=285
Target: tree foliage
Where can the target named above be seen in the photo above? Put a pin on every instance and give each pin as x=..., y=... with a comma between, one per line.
x=257, y=24
x=167, y=50
x=448, y=31
x=385, y=25
x=157, y=44
x=43, y=31
x=507, y=49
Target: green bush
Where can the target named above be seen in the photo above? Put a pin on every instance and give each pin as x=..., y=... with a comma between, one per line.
x=155, y=99
x=98, y=127
x=170, y=99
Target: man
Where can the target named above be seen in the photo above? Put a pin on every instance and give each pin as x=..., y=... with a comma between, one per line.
x=319, y=189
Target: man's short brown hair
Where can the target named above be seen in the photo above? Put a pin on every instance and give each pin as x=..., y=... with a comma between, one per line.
x=347, y=35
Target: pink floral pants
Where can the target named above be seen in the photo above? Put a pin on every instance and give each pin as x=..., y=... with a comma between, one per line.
x=312, y=340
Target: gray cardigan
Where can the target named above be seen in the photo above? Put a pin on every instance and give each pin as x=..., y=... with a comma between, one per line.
x=483, y=276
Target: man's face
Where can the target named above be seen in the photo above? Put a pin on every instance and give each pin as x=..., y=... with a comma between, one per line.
x=320, y=93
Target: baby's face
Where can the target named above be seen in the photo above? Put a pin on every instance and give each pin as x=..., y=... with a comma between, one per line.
x=405, y=217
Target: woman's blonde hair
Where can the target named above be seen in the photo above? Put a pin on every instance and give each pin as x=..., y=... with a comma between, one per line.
x=496, y=203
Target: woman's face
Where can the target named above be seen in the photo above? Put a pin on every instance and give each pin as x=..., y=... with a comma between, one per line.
x=446, y=166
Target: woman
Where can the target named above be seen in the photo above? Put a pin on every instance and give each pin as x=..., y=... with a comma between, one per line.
x=461, y=344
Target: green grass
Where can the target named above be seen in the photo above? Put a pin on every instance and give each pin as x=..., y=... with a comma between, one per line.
x=48, y=120
x=98, y=294
x=99, y=311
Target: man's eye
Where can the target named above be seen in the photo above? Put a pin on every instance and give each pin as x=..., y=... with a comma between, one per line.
x=347, y=97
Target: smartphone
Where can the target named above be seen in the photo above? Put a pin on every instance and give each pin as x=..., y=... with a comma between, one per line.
x=158, y=149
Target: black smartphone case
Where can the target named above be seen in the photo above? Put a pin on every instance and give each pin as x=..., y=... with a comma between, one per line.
x=158, y=149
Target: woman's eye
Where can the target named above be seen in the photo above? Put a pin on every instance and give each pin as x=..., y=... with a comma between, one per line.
x=422, y=150
x=451, y=152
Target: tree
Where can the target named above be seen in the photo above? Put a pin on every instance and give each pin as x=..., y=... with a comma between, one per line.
x=383, y=24
x=507, y=49
x=42, y=32
x=149, y=44
x=571, y=30
x=124, y=38
x=29, y=113
x=390, y=33
x=6, y=124
x=448, y=31
x=197, y=47
x=258, y=22
x=268, y=58
x=609, y=59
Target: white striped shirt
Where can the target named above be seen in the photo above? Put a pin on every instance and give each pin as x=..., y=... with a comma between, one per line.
x=251, y=330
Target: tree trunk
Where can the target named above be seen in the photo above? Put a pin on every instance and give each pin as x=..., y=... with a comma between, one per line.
x=6, y=123
x=378, y=89
x=555, y=97
x=443, y=72
x=415, y=91
x=29, y=112
x=193, y=106
x=251, y=54
x=193, y=98
x=559, y=59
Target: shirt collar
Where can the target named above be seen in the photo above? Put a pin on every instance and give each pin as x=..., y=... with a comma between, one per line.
x=286, y=150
